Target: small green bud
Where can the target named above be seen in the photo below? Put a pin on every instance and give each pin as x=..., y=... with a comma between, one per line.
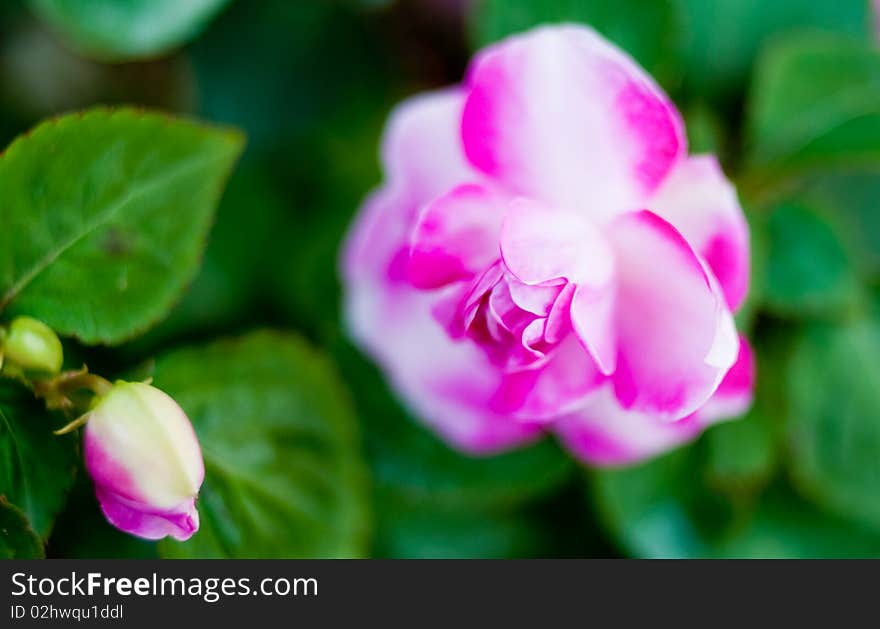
x=31, y=345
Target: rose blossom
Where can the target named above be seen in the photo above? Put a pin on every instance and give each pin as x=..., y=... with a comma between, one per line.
x=545, y=256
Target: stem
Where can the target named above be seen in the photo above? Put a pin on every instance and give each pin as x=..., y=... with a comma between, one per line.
x=76, y=423
x=58, y=392
x=82, y=379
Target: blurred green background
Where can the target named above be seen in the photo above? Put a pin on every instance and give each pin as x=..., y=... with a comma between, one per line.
x=787, y=93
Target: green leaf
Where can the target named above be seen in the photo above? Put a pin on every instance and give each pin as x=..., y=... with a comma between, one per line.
x=665, y=509
x=784, y=527
x=650, y=508
x=850, y=196
x=105, y=217
x=741, y=454
x=17, y=539
x=284, y=473
x=808, y=270
x=815, y=103
x=118, y=30
x=834, y=420
x=723, y=37
x=424, y=531
x=413, y=463
x=36, y=467
x=815, y=129
x=649, y=30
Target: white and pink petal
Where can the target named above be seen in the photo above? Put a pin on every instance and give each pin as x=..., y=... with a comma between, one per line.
x=541, y=244
x=734, y=395
x=606, y=434
x=702, y=204
x=676, y=337
x=552, y=387
x=560, y=115
x=455, y=237
x=138, y=519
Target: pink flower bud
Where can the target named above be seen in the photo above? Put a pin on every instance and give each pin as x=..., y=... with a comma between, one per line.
x=144, y=457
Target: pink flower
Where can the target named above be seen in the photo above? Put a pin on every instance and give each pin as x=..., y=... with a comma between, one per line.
x=545, y=256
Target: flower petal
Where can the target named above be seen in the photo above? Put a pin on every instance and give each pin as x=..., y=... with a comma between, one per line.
x=140, y=521
x=423, y=157
x=736, y=391
x=592, y=318
x=606, y=434
x=537, y=299
x=539, y=244
x=701, y=203
x=421, y=146
x=676, y=337
x=562, y=116
x=456, y=236
x=556, y=386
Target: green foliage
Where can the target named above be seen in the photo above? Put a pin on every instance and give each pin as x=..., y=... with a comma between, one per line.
x=741, y=455
x=105, y=217
x=284, y=472
x=850, y=195
x=17, y=540
x=36, y=467
x=785, y=527
x=723, y=37
x=815, y=104
x=809, y=270
x=666, y=509
x=422, y=530
x=117, y=30
x=834, y=388
x=293, y=83
x=650, y=508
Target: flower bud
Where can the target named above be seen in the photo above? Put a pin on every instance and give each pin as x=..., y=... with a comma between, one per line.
x=31, y=345
x=144, y=457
